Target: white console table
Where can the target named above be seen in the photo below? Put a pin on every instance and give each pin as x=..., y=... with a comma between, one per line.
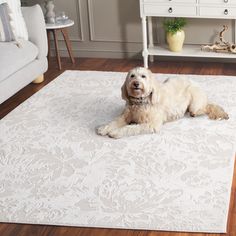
x=215, y=9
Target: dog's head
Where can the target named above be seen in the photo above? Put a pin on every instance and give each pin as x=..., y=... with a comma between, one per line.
x=140, y=83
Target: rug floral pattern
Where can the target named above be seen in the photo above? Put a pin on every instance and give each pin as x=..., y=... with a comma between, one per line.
x=54, y=169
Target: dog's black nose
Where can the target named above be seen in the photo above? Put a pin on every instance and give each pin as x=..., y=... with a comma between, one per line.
x=136, y=84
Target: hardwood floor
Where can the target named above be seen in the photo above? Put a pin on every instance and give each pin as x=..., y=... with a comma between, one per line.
x=114, y=65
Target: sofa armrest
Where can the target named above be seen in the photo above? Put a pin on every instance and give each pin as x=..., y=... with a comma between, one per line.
x=35, y=24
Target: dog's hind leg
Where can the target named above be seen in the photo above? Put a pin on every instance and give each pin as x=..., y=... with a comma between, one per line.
x=198, y=112
x=198, y=102
x=199, y=106
x=215, y=112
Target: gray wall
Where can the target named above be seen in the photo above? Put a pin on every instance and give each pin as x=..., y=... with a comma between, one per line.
x=112, y=28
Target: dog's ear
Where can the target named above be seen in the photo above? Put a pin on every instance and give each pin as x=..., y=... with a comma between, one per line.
x=155, y=92
x=124, y=93
x=154, y=97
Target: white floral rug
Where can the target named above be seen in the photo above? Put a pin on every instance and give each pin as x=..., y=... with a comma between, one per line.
x=55, y=170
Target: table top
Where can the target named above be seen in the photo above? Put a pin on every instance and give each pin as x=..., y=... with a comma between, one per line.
x=60, y=24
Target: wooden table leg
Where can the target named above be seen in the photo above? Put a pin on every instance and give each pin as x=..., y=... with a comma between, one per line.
x=68, y=44
x=49, y=45
x=57, y=48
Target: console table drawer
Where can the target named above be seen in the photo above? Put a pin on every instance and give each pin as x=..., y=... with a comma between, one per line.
x=221, y=2
x=169, y=10
x=171, y=1
x=218, y=12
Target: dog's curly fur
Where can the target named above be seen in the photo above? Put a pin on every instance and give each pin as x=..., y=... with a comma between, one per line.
x=150, y=104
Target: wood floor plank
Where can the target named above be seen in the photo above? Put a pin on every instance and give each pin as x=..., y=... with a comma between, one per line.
x=123, y=65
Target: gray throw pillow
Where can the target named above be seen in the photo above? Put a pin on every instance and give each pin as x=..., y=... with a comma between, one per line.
x=6, y=33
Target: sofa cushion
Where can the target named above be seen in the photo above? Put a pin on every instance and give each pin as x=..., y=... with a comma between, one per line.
x=13, y=57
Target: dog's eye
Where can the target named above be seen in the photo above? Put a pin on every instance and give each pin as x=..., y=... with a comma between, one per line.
x=143, y=76
x=132, y=76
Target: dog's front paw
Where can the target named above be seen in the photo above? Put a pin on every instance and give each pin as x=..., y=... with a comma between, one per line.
x=103, y=130
x=115, y=134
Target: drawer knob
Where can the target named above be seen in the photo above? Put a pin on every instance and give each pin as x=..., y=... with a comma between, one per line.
x=226, y=11
x=226, y=1
x=170, y=10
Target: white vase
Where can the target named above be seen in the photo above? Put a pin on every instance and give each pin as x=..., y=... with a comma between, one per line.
x=176, y=41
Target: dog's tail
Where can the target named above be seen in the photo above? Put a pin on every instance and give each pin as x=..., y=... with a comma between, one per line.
x=216, y=112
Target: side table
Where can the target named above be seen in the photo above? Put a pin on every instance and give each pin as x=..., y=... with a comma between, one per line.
x=54, y=28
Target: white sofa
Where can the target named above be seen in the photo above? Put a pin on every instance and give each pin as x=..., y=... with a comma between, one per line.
x=21, y=65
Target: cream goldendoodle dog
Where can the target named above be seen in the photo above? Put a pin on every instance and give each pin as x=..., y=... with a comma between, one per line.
x=150, y=104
